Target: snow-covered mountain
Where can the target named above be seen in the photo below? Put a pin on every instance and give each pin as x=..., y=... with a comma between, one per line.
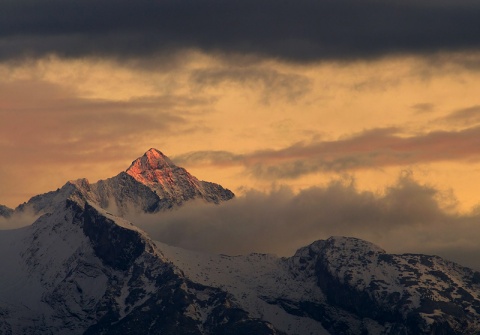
x=406, y=294
x=344, y=285
x=152, y=183
x=79, y=269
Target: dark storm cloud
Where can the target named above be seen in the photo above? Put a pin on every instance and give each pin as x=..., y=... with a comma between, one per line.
x=301, y=30
x=408, y=217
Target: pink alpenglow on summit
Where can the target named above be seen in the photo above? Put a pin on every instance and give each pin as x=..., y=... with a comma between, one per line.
x=151, y=168
x=168, y=181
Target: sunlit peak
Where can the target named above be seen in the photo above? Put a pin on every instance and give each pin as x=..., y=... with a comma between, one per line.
x=146, y=168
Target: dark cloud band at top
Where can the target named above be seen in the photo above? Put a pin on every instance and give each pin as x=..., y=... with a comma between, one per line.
x=301, y=30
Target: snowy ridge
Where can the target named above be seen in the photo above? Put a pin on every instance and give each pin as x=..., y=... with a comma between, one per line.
x=47, y=202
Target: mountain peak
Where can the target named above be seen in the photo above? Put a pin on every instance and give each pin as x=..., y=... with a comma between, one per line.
x=168, y=181
x=145, y=168
x=151, y=183
x=153, y=159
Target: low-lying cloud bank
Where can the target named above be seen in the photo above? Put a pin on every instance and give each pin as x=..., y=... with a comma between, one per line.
x=407, y=217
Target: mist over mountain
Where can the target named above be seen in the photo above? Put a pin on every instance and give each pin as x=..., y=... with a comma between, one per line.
x=407, y=217
x=5, y=211
x=84, y=267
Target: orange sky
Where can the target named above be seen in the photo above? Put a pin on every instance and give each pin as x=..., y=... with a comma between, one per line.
x=242, y=124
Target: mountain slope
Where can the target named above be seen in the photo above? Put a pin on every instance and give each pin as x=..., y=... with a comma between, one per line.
x=81, y=270
x=254, y=281
x=344, y=286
